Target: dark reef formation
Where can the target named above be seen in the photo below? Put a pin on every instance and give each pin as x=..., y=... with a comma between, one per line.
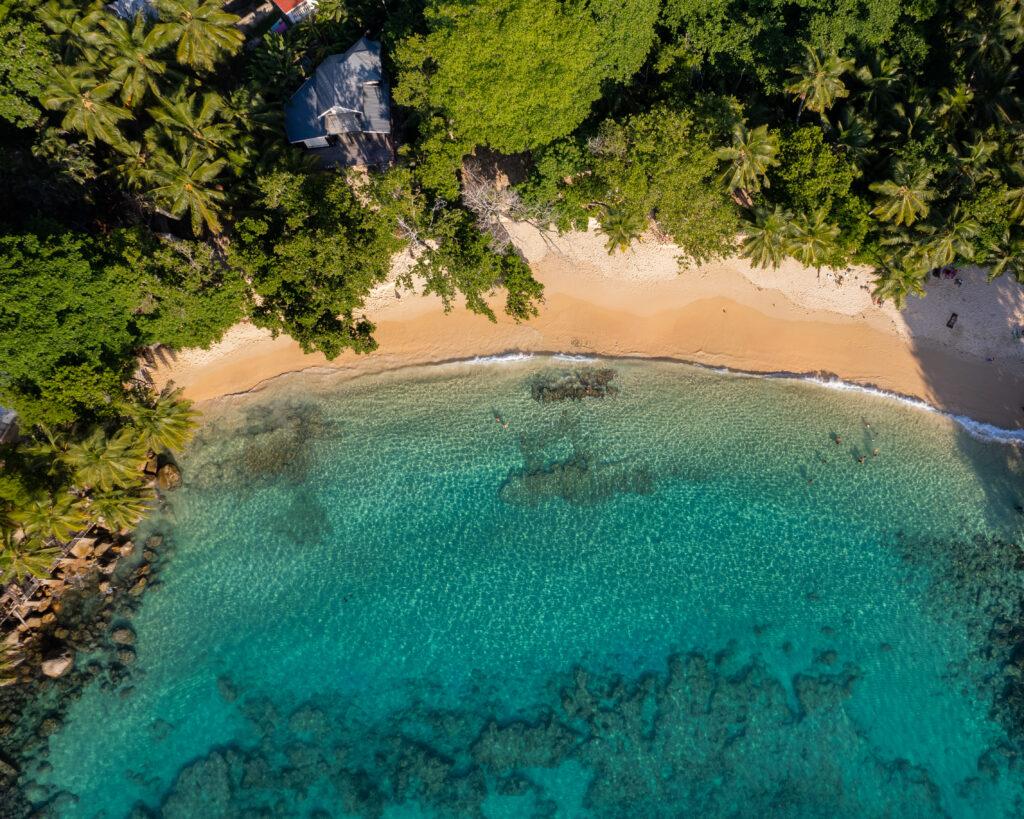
x=711, y=736
x=560, y=462
x=978, y=584
x=270, y=442
x=587, y=382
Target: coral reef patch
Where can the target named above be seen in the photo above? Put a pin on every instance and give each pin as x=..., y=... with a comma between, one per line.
x=711, y=735
x=586, y=382
x=560, y=462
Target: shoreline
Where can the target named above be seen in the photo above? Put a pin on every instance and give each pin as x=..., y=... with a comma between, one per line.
x=981, y=430
x=638, y=305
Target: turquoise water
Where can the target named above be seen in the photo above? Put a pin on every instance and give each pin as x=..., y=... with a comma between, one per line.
x=683, y=599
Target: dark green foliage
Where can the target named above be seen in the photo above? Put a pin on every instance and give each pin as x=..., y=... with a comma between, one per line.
x=188, y=297
x=76, y=310
x=312, y=256
x=814, y=175
x=66, y=327
x=660, y=165
x=518, y=74
x=25, y=62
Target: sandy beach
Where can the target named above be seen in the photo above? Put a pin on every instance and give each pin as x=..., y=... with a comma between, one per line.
x=728, y=314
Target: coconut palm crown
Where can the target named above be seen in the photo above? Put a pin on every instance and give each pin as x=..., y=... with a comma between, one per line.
x=203, y=31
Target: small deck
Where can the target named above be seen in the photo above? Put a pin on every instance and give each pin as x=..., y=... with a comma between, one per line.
x=357, y=150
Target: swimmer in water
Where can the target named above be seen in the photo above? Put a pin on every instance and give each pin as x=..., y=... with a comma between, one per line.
x=504, y=424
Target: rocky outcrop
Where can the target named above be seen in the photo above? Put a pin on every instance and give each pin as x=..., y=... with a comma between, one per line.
x=168, y=477
x=58, y=665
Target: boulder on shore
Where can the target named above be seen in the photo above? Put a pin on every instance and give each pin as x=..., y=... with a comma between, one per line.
x=168, y=477
x=58, y=665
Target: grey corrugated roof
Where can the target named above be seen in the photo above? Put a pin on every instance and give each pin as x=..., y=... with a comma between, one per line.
x=376, y=108
x=348, y=94
x=300, y=114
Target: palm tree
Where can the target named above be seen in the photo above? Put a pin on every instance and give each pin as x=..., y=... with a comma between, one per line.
x=752, y=153
x=767, y=240
x=202, y=29
x=952, y=242
x=167, y=425
x=45, y=517
x=988, y=35
x=954, y=104
x=103, y=463
x=78, y=93
x=25, y=557
x=199, y=120
x=814, y=239
x=187, y=186
x=855, y=133
x=912, y=112
x=621, y=226
x=130, y=51
x=997, y=100
x=974, y=162
x=882, y=79
x=905, y=199
x=896, y=283
x=816, y=83
x=76, y=27
x=1015, y=195
x=132, y=167
x=1008, y=257
x=119, y=509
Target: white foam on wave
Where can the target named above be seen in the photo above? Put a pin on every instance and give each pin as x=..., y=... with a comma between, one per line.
x=977, y=429
x=572, y=357
x=499, y=359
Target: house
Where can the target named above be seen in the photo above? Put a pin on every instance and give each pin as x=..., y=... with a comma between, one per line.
x=293, y=12
x=342, y=114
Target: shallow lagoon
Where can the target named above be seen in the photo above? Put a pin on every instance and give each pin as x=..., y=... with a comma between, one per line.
x=685, y=598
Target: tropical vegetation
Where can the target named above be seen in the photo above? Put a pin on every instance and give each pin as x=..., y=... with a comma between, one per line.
x=152, y=199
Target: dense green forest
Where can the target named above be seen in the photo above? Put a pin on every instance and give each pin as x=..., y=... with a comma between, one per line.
x=152, y=198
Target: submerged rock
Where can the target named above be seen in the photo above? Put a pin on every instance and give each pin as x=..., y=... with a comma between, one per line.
x=226, y=689
x=574, y=386
x=123, y=636
x=201, y=789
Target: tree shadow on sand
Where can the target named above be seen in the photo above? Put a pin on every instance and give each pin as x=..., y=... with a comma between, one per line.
x=976, y=369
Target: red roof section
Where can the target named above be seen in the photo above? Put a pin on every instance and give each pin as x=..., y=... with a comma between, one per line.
x=287, y=5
